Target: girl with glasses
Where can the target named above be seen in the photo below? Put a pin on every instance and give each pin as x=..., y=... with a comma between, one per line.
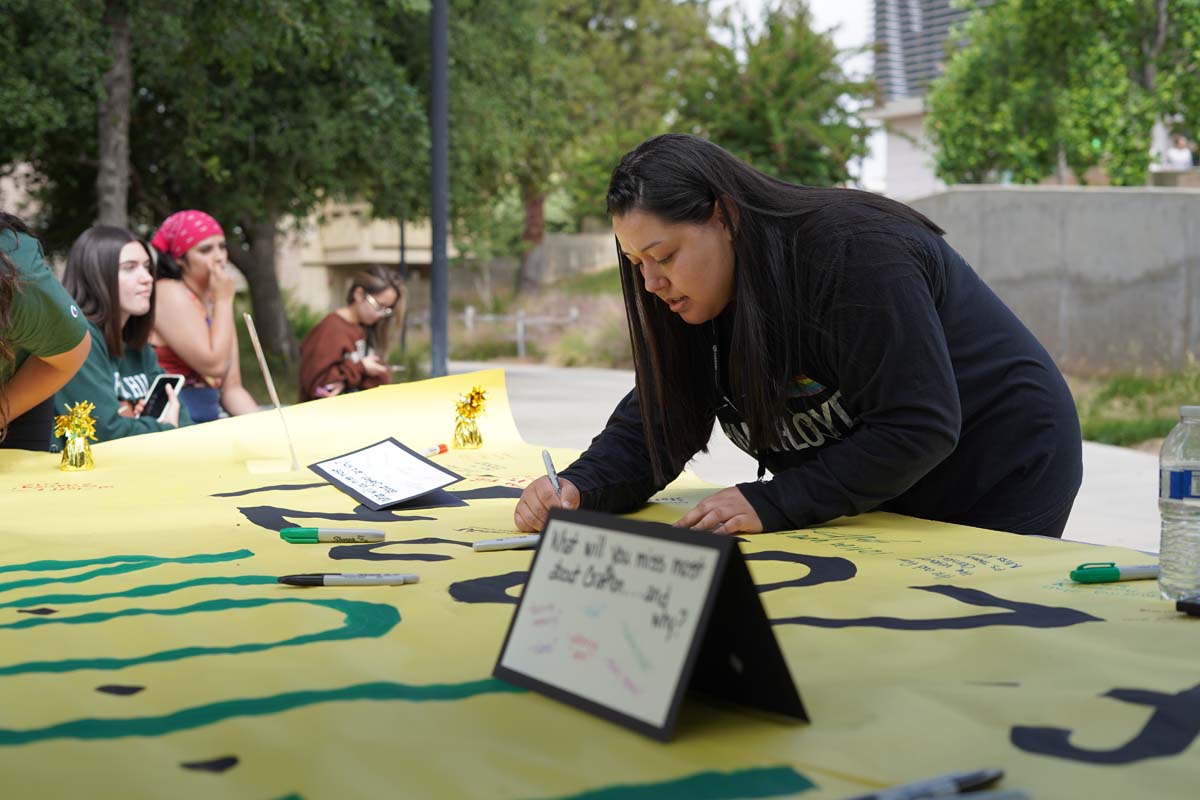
x=347, y=351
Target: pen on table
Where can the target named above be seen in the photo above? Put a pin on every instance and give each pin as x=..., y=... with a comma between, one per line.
x=349, y=579
x=507, y=543
x=941, y=786
x=314, y=535
x=1108, y=571
x=552, y=474
x=434, y=450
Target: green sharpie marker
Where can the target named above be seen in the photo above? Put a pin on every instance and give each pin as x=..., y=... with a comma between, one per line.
x=1109, y=572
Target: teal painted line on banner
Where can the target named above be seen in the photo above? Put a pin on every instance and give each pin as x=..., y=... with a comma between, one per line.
x=152, y=590
x=362, y=620
x=208, y=714
x=752, y=783
x=125, y=564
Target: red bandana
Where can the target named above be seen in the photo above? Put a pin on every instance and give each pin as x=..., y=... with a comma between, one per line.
x=182, y=230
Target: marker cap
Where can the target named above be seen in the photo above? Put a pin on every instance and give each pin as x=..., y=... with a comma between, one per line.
x=1096, y=572
x=299, y=535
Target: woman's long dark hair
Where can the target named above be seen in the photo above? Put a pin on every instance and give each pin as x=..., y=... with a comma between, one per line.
x=164, y=265
x=775, y=227
x=10, y=286
x=91, y=277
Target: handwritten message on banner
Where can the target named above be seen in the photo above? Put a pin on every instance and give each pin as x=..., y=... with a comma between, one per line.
x=384, y=474
x=610, y=616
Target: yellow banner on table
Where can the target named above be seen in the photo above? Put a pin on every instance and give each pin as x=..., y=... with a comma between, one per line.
x=146, y=649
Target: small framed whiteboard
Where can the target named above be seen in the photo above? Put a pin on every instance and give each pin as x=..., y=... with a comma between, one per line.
x=384, y=474
x=615, y=618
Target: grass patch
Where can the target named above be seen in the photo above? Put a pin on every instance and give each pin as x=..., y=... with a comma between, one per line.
x=606, y=281
x=602, y=344
x=301, y=318
x=1126, y=432
x=286, y=379
x=1127, y=409
x=482, y=348
x=415, y=361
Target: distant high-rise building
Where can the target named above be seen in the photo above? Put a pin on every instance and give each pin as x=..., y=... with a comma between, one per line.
x=911, y=35
x=910, y=39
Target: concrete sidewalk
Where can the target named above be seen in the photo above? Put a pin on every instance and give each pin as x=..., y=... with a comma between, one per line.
x=558, y=407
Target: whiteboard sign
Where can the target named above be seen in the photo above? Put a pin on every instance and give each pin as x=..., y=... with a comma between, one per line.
x=614, y=613
x=384, y=474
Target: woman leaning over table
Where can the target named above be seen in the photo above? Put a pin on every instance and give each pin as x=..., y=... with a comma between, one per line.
x=194, y=330
x=43, y=339
x=838, y=339
x=111, y=276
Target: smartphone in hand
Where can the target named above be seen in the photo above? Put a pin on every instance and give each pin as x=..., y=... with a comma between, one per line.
x=156, y=398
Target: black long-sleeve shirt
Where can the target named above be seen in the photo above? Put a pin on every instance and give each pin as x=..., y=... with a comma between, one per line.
x=918, y=392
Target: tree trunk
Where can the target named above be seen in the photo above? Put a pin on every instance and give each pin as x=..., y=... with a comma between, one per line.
x=112, y=119
x=1152, y=49
x=529, y=274
x=270, y=317
x=1063, y=169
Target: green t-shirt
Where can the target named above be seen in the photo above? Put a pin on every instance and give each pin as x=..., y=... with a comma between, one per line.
x=106, y=381
x=44, y=320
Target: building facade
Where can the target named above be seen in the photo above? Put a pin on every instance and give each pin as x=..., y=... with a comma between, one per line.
x=910, y=41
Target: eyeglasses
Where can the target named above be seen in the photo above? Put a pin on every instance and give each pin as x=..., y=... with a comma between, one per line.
x=380, y=310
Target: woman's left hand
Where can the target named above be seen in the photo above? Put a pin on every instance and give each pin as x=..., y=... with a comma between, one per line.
x=727, y=511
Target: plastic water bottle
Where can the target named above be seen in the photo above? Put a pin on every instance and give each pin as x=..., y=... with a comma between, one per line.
x=1179, y=505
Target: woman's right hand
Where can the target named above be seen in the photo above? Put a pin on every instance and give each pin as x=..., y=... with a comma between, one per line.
x=221, y=283
x=537, y=500
x=170, y=414
x=373, y=366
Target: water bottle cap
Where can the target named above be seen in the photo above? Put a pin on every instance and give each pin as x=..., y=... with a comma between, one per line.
x=1189, y=412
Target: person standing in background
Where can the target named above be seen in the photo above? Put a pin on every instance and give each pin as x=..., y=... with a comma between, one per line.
x=1179, y=155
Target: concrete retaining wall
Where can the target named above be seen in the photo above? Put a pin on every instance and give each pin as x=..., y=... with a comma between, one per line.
x=1107, y=278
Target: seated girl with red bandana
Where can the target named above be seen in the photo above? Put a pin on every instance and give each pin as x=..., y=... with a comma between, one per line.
x=194, y=332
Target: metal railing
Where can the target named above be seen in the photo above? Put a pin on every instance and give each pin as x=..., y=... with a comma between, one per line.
x=520, y=321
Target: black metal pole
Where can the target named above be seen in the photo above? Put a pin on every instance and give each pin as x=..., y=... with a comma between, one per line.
x=404, y=281
x=439, y=128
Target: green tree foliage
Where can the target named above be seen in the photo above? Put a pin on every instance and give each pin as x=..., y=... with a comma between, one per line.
x=788, y=107
x=51, y=65
x=304, y=106
x=300, y=102
x=262, y=110
x=523, y=75
x=639, y=52
x=1039, y=84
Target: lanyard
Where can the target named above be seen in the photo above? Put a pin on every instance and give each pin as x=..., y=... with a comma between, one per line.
x=716, y=353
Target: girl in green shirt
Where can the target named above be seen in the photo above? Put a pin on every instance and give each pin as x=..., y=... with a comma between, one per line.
x=43, y=339
x=110, y=274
